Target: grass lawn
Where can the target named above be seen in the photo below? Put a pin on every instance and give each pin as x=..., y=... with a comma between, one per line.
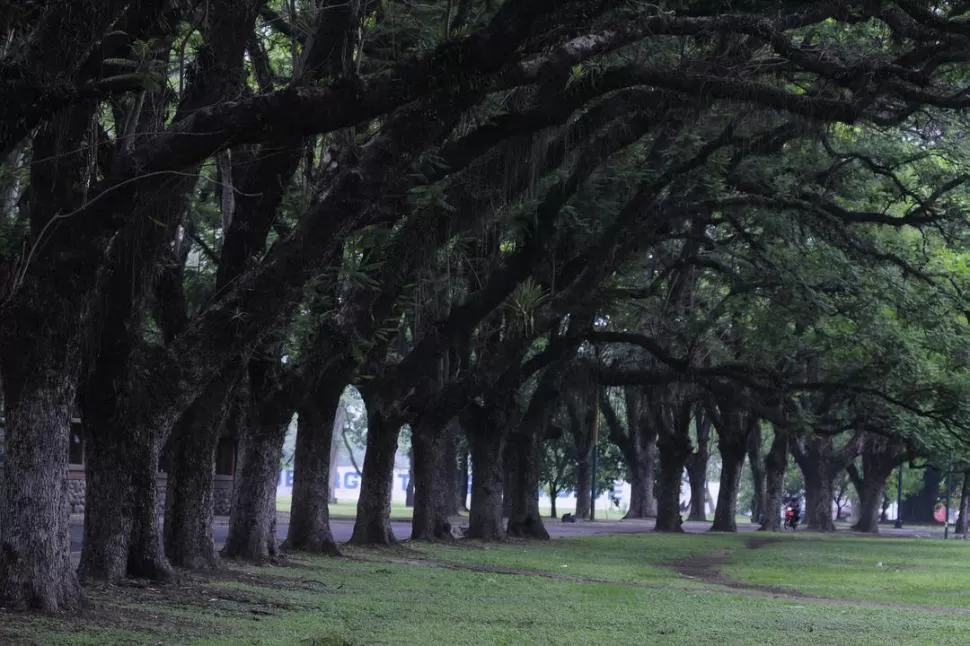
x=627, y=589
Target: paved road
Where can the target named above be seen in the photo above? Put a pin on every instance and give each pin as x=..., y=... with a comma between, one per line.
x=343, y=528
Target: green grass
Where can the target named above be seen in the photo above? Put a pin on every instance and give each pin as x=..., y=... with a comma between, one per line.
x=608, y=589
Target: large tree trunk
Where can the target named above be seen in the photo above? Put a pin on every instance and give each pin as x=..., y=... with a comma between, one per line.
x=870, y=493
x=961, y=524
x=819, y=492
x=697, y=477
x=35, y=542
x=776, y=463
x=584, y=486
x=252, y=522
x=486, y=441
x=122, y=535
x=696, y=465
x=373, y=525
x=318, y=417
x=526, y=521
x=674, y=452
x=756, y=459
x=732, y=461
x=879, y=457
x=820, y=463
x=432, y=486
x=640, y=451
x=641, y=472
x=919, y=507
x=191, y=461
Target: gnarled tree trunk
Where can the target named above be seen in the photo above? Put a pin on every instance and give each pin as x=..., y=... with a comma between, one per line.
x=776, y=463
x=674, y=452
x=732, y=461
x=188, y=499
x=432, y=483
x=318, y=418
x=696, y=465
x=35, y=542
x=486, y=441
x=373, y=526
x=122, y=534
x=821, y=462
x=734, y=425
x=879, y=457
x=269, y=411
x=252, y=522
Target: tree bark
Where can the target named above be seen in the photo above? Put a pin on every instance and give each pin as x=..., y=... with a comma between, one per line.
x=696, y=465
x=639, y=447
x=486, y=441
x=756, y=459
x=879, y=458
x=584, y=486
x=870, y=500
x=432, y=490
x=252, y=522
x=188, y=499
x=819, y=491
x=526, y=521
x=510, y=462
x=318, y=414
x=732, y=460
x=35, y=542
x=776, y=463
x=122, y=534
x=674, y=452
x=961, y=524
x=641, y=472
x=373, y=525
x=820, y=463
x=409, y=489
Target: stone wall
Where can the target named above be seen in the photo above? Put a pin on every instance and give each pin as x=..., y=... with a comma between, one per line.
x=75, y=494
x=221, y=493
